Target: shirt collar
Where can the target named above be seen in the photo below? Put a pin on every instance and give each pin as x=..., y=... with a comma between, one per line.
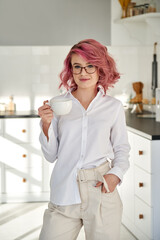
x=101, y=90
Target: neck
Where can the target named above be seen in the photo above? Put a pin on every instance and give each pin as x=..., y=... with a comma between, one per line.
x=85, y=95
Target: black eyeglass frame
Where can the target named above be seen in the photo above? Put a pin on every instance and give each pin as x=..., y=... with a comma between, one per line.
x=84, y=69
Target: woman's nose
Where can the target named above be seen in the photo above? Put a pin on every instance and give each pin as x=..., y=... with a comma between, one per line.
x=83, y=71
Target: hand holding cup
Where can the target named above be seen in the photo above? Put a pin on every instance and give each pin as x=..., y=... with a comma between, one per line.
x=46, y=113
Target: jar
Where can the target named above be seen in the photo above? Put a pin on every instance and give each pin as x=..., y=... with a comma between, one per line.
x=130, y=9
x=152, y=6
x=146, y=7
x=136, y=10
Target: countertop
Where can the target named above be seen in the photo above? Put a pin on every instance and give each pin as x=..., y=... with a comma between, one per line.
x=19, y=114
x=146, y=127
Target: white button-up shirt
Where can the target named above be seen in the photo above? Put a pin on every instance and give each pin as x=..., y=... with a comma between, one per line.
x=85, y=139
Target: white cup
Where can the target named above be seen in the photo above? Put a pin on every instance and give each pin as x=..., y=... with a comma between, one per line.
x=61, y=106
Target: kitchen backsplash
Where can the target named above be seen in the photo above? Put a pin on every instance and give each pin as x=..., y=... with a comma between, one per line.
x=31, y=74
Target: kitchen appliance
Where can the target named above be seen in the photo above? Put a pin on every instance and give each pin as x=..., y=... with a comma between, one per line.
x=154, y=72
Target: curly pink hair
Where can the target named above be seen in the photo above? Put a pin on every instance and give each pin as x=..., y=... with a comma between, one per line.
x=96, y=54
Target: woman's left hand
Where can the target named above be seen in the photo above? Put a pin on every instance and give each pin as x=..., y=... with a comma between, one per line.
x=112, y=181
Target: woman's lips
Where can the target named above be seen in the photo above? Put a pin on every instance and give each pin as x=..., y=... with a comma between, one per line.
x=84, y=79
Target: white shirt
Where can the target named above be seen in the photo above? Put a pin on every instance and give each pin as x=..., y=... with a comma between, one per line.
x=85, y=139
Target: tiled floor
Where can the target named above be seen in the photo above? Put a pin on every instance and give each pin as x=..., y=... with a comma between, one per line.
x=22, y=221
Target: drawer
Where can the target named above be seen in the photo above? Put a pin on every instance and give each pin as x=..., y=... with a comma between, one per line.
x=144, y=217
x=28, y=180
x=143, y=185
x=142, y=153
x=20, y=156
x=22, y=130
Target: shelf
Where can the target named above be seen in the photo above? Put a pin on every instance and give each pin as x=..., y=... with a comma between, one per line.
x=145, y=27
x=140, y=18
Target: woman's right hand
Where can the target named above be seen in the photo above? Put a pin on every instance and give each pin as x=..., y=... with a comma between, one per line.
x=46, y=114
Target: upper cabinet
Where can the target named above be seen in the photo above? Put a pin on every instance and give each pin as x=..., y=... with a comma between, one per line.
x=142, y=29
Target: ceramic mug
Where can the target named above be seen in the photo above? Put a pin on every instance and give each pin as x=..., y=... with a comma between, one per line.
x=61, y=106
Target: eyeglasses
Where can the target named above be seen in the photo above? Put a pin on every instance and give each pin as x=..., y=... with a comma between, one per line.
x=76, y=69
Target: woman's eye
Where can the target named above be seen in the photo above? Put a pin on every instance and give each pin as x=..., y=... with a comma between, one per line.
x=77, y=67
x=90, y=66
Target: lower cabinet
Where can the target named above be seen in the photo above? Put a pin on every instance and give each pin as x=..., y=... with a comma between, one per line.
x=140, y=188
x=144, y=218
x=24, y=173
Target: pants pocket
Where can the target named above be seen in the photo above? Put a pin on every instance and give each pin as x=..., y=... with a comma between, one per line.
x=112, y=198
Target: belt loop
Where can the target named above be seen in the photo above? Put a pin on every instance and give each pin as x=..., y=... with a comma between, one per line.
x=82, y=176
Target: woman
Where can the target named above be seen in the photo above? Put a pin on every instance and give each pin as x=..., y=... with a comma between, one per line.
x=84, y=142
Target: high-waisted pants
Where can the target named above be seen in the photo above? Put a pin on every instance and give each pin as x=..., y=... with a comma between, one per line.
x=99, y=213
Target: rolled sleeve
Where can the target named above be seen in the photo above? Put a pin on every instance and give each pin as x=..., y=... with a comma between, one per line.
x=121, y=147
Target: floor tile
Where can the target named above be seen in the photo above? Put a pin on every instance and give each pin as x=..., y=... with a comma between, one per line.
x=23, y=221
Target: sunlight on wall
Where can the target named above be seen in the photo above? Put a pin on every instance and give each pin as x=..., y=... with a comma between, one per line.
x=123, y=98
x=38, y=101
x=22, y=103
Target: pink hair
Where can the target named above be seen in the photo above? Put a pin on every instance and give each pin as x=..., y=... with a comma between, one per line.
x=96, y=54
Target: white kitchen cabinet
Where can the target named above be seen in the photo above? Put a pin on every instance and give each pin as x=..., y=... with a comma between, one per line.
x=28, y=180
x=142, y=185
x=25, y=174
x=127, y=187
x=144, y=219
x=141, y=213
x=20, y=156
x=22, y=130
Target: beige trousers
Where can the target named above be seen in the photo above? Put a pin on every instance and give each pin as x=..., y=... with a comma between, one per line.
x=99, y=213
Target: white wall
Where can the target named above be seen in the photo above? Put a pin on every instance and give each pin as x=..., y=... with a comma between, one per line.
x=31, y=73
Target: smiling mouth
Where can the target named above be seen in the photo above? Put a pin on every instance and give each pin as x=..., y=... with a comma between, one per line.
x=84, y=79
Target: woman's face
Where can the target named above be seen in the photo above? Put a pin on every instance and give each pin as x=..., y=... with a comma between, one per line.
x=84, y=79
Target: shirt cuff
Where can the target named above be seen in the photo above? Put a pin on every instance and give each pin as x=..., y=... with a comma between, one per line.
x=118, y=172
x=43, y=139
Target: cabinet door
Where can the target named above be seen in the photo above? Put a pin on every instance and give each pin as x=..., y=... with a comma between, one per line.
x=20, y=156
x=142, y=153
x=127, y=187
x=28, y=180
x=143, y=185
x=22, y=130
x=144, y=218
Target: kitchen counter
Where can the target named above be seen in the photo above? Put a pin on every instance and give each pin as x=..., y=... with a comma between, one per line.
x=19, y=114
x=146, y=127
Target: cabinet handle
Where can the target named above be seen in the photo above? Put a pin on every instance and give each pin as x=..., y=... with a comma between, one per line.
x=24, y=155
x=140, y=152
x=140, y=184
x=24, y=180
x=24, y=130
x=141, y=216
